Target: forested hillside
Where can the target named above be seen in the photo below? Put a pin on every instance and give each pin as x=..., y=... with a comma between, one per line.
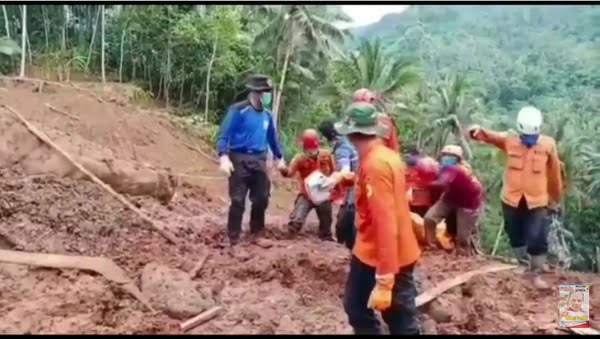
x=481, y=64
x=438, y=69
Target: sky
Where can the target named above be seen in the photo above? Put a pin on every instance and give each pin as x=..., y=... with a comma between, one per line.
x=368, y=14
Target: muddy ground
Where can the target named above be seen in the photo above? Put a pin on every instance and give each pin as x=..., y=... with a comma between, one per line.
x=293, y=287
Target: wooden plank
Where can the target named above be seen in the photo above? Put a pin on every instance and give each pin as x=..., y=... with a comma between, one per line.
x=448, y=284
x=200, y=319
x=44, y=138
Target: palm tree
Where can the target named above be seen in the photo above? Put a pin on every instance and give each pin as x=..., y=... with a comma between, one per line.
x=372, y=66
x=451, y=108
x=293, y=28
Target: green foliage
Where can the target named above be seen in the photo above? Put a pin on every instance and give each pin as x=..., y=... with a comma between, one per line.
x=437, y=69
x=511, y=56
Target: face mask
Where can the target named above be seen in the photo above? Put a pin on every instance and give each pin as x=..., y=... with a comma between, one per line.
x=266, y=99
x=528, y=140
x=410, y=160
x=448, y=160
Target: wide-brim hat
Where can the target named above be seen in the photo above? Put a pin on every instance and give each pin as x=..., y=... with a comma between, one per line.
x=259, y=83
x=361, y=118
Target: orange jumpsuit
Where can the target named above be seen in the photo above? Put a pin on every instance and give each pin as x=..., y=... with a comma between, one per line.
x=385, y=238
x=533, y=174
x=304, y=165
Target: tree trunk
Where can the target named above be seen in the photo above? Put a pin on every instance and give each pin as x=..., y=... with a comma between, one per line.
x=6, y=26
x=121, y=56
x=91, y=48
x=208, y=72
x=63, y=42
x=102, y=49
x=23, y=40
x=46, y=28
x=463, y=141
x=286, y=62
x=29, y=54
x=167, y=77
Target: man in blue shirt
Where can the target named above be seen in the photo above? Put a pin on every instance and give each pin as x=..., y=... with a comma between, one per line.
x=346, y=160
x=246, y=132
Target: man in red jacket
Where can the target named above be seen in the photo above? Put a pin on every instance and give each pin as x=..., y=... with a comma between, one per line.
x=421, y=171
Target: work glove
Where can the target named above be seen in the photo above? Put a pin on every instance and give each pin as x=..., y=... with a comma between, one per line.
x=474, y=130
x=381, y=296
x=225, y=165
x=281, y=164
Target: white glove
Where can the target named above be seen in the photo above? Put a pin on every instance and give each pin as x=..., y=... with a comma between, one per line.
x=280, y=164
x=409, y=194
x=225, y=165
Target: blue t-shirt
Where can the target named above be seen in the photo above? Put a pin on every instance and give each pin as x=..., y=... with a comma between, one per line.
x=246, y=130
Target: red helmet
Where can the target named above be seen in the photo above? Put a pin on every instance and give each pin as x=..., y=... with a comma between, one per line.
x=363, y=95
x=310, y=140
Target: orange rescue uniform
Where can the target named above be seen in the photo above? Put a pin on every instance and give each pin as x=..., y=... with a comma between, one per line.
x=385, y=238
x=304, y=165
x=533, y=173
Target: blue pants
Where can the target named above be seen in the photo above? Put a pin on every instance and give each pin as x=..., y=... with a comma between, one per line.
x=401, y=317
x=526, y=227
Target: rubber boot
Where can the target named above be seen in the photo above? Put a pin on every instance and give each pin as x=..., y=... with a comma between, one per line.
x=536, y=264
x=520, y=254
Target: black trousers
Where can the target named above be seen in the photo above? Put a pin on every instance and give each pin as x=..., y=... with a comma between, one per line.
x=345, y=230
x=249, y=177
x=302, y=207
x=526, y=227
x=401, y=317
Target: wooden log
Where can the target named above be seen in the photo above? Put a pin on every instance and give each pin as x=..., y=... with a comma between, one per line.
x=44, y=138
x=194, y=272
x=56, y=110
x=200, y=319
x=103, y=266
x=447, y=284
x=193, y=148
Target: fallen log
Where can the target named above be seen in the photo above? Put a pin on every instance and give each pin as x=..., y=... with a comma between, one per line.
x=200, y=318
x=447, y=284
x=41, y=136
x=194, y=272
x=56, y=110
x=193, y=148
x=103, y=266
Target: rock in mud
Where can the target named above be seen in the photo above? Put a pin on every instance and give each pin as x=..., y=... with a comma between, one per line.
x=174, y=292
x=439, y=312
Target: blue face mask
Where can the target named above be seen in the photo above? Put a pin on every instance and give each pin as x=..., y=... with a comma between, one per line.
x=448, y=160
x=410, y=160
x=528, y=140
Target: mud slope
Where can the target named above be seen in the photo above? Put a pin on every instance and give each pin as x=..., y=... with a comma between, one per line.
x=293, y=287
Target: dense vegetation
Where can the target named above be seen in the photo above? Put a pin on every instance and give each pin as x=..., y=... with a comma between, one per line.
x=438, y=69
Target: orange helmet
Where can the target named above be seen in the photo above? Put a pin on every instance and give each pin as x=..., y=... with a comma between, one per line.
x=310, y=140
x=363, y=95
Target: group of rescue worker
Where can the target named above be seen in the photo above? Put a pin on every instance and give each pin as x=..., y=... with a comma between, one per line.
x=391, y=206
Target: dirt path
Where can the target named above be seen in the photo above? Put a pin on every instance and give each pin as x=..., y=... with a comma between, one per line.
x=293, y=287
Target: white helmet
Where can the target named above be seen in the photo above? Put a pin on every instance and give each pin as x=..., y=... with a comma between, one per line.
x=529, y=120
